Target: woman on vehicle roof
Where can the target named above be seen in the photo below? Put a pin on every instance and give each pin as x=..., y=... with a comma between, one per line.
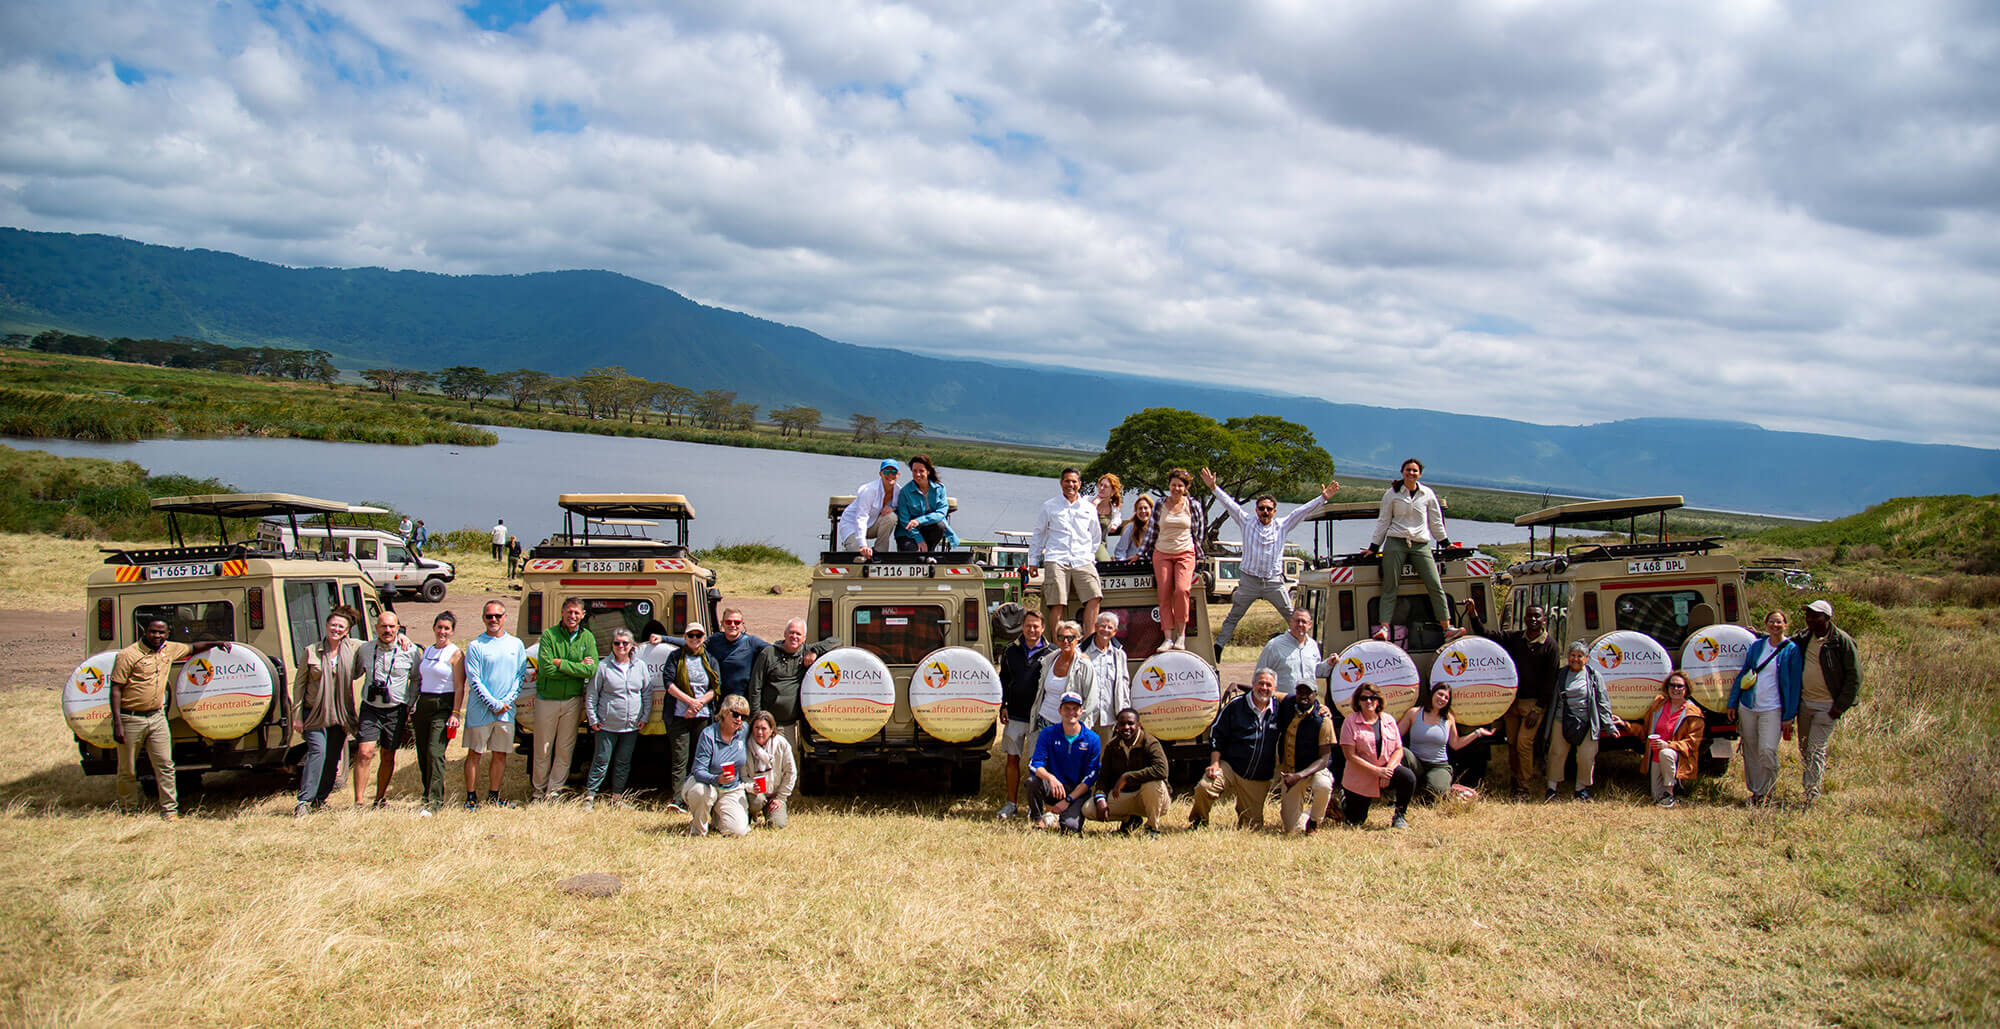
x=921, y=510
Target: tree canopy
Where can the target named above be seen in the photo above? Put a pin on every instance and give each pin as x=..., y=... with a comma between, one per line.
x=1253, y=455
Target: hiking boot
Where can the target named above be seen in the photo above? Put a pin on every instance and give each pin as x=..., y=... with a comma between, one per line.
x=1312, y=826
x=1583, y=794
x=1009, y=810
x=472, y=802
x=1549, y=797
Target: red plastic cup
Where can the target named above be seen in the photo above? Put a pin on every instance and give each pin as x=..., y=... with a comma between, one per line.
x=762, y=784
x=1653, y=747
x=451, y=732
x=729, y=771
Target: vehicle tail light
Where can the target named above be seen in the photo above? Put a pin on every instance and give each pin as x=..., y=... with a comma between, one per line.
x=1479, y=598
x=534, y=614
x=1590, y=610
x=1730, y=607
x=972, y=612
x=1346, y=610
x=105, y=617
x=825, y=618
x=256, y=607
x=680, y=618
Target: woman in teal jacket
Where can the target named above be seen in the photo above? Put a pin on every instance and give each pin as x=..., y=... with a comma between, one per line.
x=1765, y=697
x=921, y=508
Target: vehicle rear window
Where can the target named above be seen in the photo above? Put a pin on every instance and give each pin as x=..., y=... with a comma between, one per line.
x=1416, y=626
x=606, y=615
x=901, y=634
x=1139, y=629
x=1663, y=615
x=205, y=622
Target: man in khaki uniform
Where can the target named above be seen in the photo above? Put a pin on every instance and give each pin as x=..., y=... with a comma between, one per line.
x=1131, y=777
x=139, y=681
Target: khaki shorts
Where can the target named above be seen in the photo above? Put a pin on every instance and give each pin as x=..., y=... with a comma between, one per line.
x=1062, y=582
x=493, y=737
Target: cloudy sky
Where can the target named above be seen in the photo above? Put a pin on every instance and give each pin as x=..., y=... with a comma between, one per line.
x=1562, y=212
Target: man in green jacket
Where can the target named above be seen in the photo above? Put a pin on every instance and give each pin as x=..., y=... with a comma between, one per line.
x=565, y=660
x=1831, y=684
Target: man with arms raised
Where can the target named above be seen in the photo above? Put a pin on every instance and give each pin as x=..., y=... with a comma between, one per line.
x=565, y=662
x=869, y=523
x=1067, y=534
x=1020, y=667
x=1132, y=778
x=1262, y=572
x=386, y=701
x=139, y=685
x=1063, y=769
x=1245, y=755
x=496, y=664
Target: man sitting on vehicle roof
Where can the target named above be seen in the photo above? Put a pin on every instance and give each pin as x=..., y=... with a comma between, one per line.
x=869, y=523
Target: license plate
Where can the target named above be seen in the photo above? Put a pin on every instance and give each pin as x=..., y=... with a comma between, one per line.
x=588, y=565
x=1128, y=582
x=1657, y=564
x=897, y=571
x=179, y=571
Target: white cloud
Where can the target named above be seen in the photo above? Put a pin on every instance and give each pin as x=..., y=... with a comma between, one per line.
x=1801, y=194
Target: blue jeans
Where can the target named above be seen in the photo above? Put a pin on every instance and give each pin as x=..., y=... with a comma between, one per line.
x=613, y=754
x=322, y=763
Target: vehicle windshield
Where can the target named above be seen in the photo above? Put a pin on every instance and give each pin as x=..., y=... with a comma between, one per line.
x=203, y=622
x=1139, y=629
x=605, y=615
x=1415, y=626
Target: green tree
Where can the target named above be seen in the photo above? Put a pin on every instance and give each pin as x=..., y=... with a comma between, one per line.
x=523, y=385
x=1260, y=454
x=394, y=380
x=467, y=382
x=798, y=420
x=714, y=407
x=903, y=429
x=866, y=427
x=672, y=400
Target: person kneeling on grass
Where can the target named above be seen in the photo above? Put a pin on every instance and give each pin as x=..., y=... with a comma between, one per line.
x=1306, y=736
x=1374, y=750
x=617, y=703
x=1673, y=726
x=773, y=771
x=714, y=793
x=1063, y=769
x=1433, y=734
x=1131, y=777
x=1244, y=755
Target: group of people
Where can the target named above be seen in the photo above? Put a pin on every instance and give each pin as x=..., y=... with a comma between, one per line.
x=415, y=534
x=916, y=517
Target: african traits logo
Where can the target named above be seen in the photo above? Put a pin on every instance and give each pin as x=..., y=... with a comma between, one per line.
x=936, y=675
x=1706, y=649
x=1351, y=669
x=1454, y=663
x=1610, y=656
x=828, y=676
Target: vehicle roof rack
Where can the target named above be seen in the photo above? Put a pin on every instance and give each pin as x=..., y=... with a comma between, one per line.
x=837, y=504
x=1579, y=552
x=250, y=505
x=163, y=555
x=900, y=557
x=1591, y=511
x=672, y=506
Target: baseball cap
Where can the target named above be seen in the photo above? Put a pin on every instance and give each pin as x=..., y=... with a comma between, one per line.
x=889, y=465
x=692, y=628
x=1306, y=686
x=1070, y=698
x=1821, y=607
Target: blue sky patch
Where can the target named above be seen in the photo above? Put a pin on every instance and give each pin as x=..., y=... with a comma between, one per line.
x=128, y=74
x=503, y=15
x=1496, y=325
x=557, y=117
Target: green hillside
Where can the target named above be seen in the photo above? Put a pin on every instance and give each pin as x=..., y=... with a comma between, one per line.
x=1960, y=531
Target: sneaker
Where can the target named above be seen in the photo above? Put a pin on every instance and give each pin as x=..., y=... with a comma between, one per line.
x=1050, y=820
x=1399, y=823
x=425, y=811
x=674, y=807
x=1669, y=801
x=472, y=802
x=1452, y=634
x=1521, y=793
x=1312, y=826
x=1009, y=810
x=1151, y=832
x=1196, y=822
x=380, y=803
x=1381, y=634
x=171, y=816
x=1583, y=794
x=1550, y=796
x=301, y=810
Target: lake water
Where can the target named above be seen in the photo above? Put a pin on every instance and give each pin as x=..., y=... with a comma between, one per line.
x=739, y=495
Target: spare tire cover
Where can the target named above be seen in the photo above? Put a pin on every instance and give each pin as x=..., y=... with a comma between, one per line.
x=524, y=704
x=1176, y=695
x=1711, y=657
x=86, y=699
x=1385, y=666
x=655, y=655
x=955, y=694
x=1632, y=665
x=1007, y=618
x=848, y=695
x=1482, y=678
x=224, y=694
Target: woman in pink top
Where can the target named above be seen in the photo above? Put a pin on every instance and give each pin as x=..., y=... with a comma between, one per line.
x=1173, y=541
x=1673, y=726
x=1374, y=751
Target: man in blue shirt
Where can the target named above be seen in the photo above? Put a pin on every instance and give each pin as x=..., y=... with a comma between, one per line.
x=1062, y=770
x=496, y=664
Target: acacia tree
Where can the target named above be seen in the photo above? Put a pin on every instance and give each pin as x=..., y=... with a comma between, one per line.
x=1259, y=454
x=903, y=429
x=467, y=382
x=395, y=380
x=866, y=427
x=525, y=384
x=672, y=399
x=798, y=419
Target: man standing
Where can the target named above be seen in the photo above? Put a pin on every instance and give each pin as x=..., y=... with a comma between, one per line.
x=496, y=664
x=1262, y=572
x=1110, y=673
x=403, y=528
x=1065, y=547
x=386, y=700
x=514, y=558
x=692, y=679
x=1831, y=684
x=1019, y=665
x=1132, y=777
x=139, y=684
x=736, y=654
x=1293, y=656
x=777, y=672
x=869, y=523
x=1306, y=738
x=1245, y=755
x=499, y=539
x=565, y=662
x=1063, y=769
x=1535, y=664
x=421, y=540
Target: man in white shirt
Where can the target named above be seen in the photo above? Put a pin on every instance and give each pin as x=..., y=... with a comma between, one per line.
x=500, y=539
x=1111, y=672
x=1065, y=548
x=1292, y=656
x=869, y=524
x=1261, y=575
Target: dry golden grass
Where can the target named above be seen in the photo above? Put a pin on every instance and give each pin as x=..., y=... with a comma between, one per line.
x=46, y=573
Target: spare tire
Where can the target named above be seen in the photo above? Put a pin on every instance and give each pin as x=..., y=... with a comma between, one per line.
x=224, y=694
x=955, y=694
x=1176, y=695
x=1007, y=619
x=1385, y=666
x=86, y=699
x=1632, y=665
x=1482, y=678
x=1711, y=657
x=848, y=695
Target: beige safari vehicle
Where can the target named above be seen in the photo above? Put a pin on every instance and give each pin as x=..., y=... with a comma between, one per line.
x=1664, y=588
x=261, y=593
x=902, y=608
x=1129, y=593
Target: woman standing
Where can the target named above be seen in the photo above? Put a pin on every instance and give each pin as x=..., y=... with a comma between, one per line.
x=773, y=771
x=921, y=508
x=324, y=710
x=1412, y=520
x=1673, y=727
x=1110, y=500
x=1579, y=714
x=1765, y=698
x=440, y=696
x=1374, y=750
x=1136, y=529
x=1061, y=670
x=617, y=704
x=1174, y=540
x=1433, y=734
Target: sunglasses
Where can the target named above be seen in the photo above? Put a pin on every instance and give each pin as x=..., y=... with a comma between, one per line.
x=1367, y=700
x=621, y=643
x=1261, y=509
x=493, y=618
x=1066, y=638
x=694, y=635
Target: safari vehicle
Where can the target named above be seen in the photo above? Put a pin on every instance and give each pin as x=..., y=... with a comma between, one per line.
x=270, y=597
x=902, y=608
x=384, y=555
x=1344, y=591
x=1007, y=555
x=1783, y=570
x=1665, y=588
x=1130, y=593
x=1220, y=573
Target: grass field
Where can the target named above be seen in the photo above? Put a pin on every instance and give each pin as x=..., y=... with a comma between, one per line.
x=1879, y=905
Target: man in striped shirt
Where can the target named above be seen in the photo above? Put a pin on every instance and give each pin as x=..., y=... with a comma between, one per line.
x=1262, y=573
